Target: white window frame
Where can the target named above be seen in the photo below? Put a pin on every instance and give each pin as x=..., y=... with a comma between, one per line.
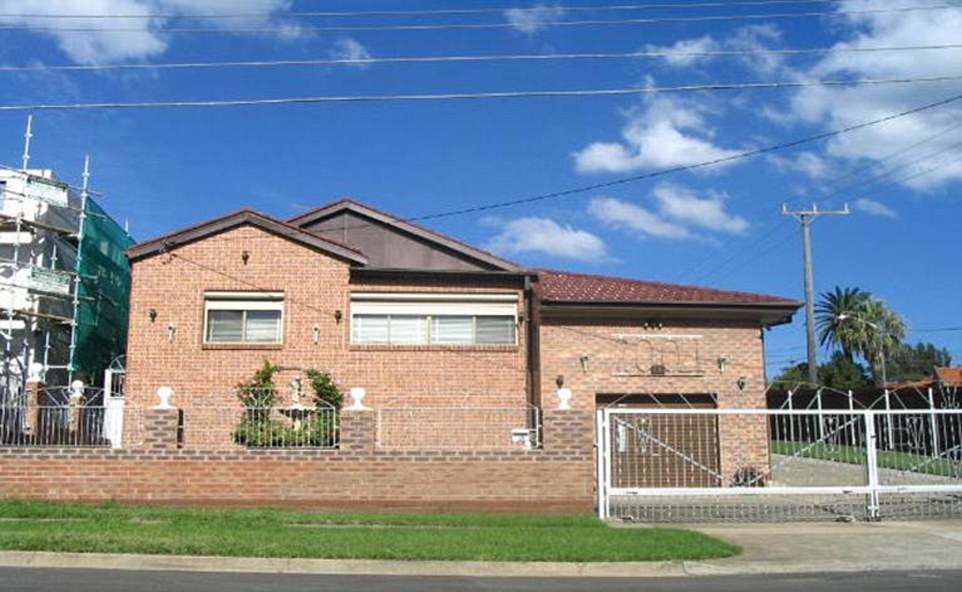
x=243, y=301
x=432, y=305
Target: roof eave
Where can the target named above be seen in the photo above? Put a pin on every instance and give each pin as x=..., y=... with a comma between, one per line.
x=198, y=232
x=770, y=314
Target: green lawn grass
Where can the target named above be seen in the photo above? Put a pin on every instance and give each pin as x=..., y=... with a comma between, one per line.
x=887, y=459
x=116, y=528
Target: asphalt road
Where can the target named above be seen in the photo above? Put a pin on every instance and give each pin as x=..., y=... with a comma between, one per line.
x=76, y=580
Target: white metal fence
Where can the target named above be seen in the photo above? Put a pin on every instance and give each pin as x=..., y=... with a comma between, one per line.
x=459, y=428
x=71, y=426
x=658, y=465
x=261, y=426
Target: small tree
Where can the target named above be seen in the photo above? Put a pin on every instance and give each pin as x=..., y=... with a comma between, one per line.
x=840, y=373
x=328, y=399
x=258, y=395
x=325, y=389
x=917, y=362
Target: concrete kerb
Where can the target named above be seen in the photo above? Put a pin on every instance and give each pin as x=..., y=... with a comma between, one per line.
x=337, y=566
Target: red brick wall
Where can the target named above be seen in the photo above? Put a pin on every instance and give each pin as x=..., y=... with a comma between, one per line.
x=614, y=350
x=557, y=478
x=315, y=286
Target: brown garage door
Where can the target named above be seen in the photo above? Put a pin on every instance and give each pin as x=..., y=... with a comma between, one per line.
x=662, y=451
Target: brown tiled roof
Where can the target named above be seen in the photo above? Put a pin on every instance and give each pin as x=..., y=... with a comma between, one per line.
x=563, y=286
x=951, y=375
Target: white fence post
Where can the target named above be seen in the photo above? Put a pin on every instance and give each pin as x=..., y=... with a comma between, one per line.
x=871, y=465
x=889, y=430
x=821, y=417
x=602, y=448
x=934, y=425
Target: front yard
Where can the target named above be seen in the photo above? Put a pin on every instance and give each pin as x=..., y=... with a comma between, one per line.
x=116, y=528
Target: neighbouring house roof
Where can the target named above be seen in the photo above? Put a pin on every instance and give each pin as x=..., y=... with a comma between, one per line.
x=952, y=375
x=946, y=377
x=244, y=217
x=391, y=242
x=563, y=286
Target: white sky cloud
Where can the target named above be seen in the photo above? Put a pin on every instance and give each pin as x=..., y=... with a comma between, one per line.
x=807, y=163
x=874, y=208
x=684, y=205
x=751, y=38
x=348, y=48
x=841, y=107
x=686, y=46
x=532, y=20
x=545, y=236
x=145, y=40
x=668, y=132
x=626, y=216
x=681, y=213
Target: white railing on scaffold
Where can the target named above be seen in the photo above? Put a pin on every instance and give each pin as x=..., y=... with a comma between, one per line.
x=71, y=426
x=459, y=428
x=751, y=453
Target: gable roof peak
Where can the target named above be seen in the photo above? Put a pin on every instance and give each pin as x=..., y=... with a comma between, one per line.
x=404, y=226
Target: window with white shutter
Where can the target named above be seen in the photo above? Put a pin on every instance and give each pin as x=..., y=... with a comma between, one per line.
x=243, y=317
x=434, y=319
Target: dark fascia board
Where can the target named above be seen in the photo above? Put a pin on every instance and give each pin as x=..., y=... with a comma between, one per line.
x=406, y=227
x=239, y=218
x=769, y=314
x=447, y=275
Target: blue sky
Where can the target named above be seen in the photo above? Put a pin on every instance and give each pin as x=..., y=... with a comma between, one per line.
x=163, y=169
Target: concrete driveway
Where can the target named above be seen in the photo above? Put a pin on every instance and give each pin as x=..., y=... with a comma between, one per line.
x=815, y=547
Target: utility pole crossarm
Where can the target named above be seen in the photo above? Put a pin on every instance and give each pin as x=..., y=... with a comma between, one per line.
x=806, y=217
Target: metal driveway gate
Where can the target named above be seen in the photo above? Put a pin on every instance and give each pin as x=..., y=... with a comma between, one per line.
x=688, y=465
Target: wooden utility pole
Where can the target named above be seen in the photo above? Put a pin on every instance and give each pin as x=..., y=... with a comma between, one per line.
x=806, y=217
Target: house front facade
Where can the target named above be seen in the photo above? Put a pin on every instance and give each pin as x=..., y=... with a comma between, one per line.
x=471, y=381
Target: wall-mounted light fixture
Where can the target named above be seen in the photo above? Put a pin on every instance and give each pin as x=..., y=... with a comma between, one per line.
x=316, y=329
x=338, y=315
x=722, y=362
x=171, y=331
x=245, y=256
x=152, y=314
x=560, y=380
x=584, y=359
x=741, y=382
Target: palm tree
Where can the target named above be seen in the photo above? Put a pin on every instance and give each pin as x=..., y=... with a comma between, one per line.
x=832, y=310
x=858, y=324
x=884, y=331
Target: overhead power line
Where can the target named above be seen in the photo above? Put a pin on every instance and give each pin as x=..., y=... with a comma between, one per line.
x=468, y=58
x=760, y=246
x=710, y=268
x=690, y=167
x=469, y=95
x=434, y=12
x=486, y=26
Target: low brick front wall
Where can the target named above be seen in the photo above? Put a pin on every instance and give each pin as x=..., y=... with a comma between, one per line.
x=558, y=477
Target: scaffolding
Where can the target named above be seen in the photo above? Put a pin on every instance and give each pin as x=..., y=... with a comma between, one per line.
x=64, y=281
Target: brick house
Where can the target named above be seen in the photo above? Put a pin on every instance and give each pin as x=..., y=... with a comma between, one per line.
x=462, y=356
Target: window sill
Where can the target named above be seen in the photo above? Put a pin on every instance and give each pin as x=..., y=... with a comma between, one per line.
x=243, y=346
x=437, y=348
